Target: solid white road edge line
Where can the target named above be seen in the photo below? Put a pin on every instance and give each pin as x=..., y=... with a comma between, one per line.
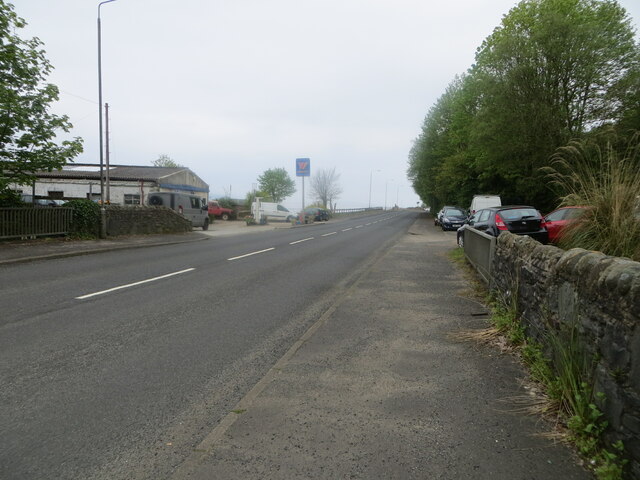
x=95, y=294
x=300, y=241
x=252, y=253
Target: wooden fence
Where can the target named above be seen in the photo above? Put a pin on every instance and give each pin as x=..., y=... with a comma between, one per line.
x=34, y=222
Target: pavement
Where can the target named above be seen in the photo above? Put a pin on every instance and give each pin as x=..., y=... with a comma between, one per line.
x=381, y=386
x=17, y=251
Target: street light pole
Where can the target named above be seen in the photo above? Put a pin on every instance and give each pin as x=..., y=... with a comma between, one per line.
x=386, y=184
x=370, y=181
x=103, y=215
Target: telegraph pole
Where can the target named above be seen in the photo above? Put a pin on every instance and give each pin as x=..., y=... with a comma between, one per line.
x=106, y=157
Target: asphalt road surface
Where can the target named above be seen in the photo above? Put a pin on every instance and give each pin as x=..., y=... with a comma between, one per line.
x=106, y=359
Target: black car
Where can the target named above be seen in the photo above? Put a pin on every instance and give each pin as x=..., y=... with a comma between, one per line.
x=318, y=214
x=437, y=216
x=517, y=219
x=452, y=218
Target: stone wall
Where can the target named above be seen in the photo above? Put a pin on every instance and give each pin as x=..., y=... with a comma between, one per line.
x=599, y=295
x=137, y=220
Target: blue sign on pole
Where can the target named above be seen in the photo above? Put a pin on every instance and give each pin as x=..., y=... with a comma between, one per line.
x=303, y=167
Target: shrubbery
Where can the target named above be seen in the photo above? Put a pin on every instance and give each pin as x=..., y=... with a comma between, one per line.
x=608, y=183
x=86, y=218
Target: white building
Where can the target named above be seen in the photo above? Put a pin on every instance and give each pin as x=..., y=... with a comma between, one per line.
x=127, y=185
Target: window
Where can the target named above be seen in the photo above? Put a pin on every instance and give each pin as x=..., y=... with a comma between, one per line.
x=58, y=195
x=557, y=215
x=195, y=202
x=483, y=215
x=573, y=213
x=130, y=199
x=454, y=212
x=517, y=213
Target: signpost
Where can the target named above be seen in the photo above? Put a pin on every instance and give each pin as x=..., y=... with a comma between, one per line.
x=303, y=169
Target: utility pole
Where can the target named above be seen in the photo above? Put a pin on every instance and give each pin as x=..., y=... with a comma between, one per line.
x=106, y=121
x=103, y=213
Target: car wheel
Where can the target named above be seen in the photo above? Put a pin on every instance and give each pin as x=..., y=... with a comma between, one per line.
x=205, y=226
x=225, y=216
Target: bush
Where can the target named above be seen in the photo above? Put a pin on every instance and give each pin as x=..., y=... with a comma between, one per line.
x=9, y=198
x=226, y=202
x=86, y=218
x=609, y=184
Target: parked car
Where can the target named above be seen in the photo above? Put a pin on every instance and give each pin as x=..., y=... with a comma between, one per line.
x=219, y=211
x=318, y=214
x=48, y=202
x=460, y=232
x=484, y=201
x=452, y=218
x=438, y=216
x=517, y=219
x=559, y=219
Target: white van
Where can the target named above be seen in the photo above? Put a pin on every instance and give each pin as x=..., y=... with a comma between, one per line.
x=484, y=201
x=193, y=208
x=272, y=211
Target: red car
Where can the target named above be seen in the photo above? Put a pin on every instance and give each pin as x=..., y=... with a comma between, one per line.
x=219, y=211
x=558, y=220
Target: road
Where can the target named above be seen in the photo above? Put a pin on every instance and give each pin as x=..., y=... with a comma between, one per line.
x=116, y=365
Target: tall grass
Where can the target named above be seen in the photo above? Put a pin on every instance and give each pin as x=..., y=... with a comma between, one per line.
x=608, y=182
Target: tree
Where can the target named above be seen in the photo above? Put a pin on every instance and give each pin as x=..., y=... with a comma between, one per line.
x=251, y=196
x=325, y=186
x=277, y=183
x=165, y=160
x=550, y=72
x=554, y=70
x=441, y=163
x=27, y=128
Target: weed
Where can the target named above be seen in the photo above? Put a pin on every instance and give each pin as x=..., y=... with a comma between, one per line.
x=565, y=374
x=562, y=370
x=457, y=256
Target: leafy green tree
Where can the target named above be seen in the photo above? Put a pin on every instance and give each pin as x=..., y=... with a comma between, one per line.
x=165, y=160
x=554, y=70
x=277, y=183
x=251, y=197
x=441, y=163
x=27, y=128
x=549, y=73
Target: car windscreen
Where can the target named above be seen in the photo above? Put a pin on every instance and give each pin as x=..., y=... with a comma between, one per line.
x=519, y=213
x=454, y=212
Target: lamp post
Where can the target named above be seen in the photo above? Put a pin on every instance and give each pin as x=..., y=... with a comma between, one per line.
x=370, y=181
x=103, y=216
x=386, y=184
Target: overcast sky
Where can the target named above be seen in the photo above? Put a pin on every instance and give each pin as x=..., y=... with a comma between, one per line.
x=232, y=88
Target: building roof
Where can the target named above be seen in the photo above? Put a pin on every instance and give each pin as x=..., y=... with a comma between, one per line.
x=116, y=172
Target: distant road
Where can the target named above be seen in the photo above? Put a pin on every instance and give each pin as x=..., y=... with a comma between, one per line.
x=116, y=365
